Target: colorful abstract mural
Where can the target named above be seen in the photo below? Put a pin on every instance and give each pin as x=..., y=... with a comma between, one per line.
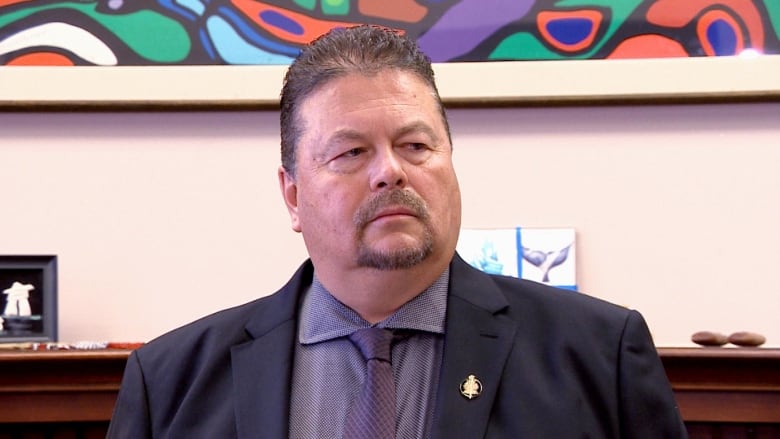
x=220, y=32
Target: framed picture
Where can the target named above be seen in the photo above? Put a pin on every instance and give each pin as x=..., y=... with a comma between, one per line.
x=28, y=298
x=556, y=82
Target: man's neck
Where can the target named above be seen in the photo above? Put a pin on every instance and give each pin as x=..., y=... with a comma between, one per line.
x=377, y=294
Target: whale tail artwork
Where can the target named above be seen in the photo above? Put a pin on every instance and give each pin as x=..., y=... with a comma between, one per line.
x=539, y=254
x=18, y=300
x=546, y=260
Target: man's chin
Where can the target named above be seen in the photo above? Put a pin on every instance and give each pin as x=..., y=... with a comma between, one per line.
x=393, y=259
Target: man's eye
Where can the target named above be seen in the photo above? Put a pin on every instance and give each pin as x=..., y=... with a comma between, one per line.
x=416, y=146
x=354, y=152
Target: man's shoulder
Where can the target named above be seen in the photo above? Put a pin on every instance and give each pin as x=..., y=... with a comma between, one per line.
x=208, y=335
x=564, y=317
x=526, y=292
x=493, y=291
x=538, y=308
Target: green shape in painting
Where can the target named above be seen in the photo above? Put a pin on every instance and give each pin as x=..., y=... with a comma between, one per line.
x=773, y=8
x=151, y=35
x=522, y=46
x=306, y=4
x=335, y=7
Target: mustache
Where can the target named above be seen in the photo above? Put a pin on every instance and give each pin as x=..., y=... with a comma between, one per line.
x=396, y=197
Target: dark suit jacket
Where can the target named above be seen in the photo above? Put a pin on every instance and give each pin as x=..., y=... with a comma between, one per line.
x=553, y=364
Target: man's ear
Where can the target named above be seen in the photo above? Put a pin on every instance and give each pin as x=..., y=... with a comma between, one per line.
x=290, y=194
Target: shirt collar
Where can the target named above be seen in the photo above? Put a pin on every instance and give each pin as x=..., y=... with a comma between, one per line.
x=323, y=317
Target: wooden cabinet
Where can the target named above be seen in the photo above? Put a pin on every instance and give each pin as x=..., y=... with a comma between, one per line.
x=729, y=393
x=58, y=394
x=722, y=392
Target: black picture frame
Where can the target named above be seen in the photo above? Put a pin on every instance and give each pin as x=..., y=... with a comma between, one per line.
x=32, y=318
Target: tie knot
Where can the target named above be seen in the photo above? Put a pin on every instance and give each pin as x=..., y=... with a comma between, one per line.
x=373, y=343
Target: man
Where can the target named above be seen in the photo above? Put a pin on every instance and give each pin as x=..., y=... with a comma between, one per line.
x=368, y=180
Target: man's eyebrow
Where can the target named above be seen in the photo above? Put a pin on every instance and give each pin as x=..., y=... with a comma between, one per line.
x=347, y=134
x=415, y=127
x=342, y=136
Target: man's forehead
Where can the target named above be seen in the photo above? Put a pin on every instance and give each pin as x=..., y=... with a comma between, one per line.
x=338, y=84
x=319, y=118
x=358, y=91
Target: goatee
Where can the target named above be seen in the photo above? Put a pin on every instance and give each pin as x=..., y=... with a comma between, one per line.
x=406, y=257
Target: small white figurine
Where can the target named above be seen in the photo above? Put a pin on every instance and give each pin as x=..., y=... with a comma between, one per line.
x=18, y=303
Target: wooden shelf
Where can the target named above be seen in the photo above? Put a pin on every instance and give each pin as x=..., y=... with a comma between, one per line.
x=59, y=386
x=725, y=384
x=718, y=390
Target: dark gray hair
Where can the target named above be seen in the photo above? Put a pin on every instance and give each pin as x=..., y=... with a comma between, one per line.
x=364, y=49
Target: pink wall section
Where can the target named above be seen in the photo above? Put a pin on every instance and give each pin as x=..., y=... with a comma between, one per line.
x=160, y=218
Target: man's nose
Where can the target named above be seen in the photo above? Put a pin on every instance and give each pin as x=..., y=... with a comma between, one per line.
x=388, y=171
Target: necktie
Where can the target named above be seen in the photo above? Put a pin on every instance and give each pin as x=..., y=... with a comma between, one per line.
x=373, y=414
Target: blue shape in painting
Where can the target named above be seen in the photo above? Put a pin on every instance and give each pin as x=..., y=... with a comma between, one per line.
x=722, y=37
x=235, y=50
x=570, y=30
x=248, y=32
x=193, y=5
x=207, y=46
x=286, y=24
x=178, y=9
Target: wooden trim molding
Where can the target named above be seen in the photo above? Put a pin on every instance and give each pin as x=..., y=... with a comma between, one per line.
x=708, y=79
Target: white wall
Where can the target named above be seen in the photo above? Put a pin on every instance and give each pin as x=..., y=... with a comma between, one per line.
x=160, y=218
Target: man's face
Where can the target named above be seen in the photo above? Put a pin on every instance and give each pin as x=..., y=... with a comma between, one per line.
x=375, y=186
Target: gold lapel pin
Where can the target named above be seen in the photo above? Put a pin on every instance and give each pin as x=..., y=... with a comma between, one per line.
x=471, y=387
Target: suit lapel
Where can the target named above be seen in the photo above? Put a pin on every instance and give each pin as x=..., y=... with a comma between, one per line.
x=477, y=342
x=262, y=367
